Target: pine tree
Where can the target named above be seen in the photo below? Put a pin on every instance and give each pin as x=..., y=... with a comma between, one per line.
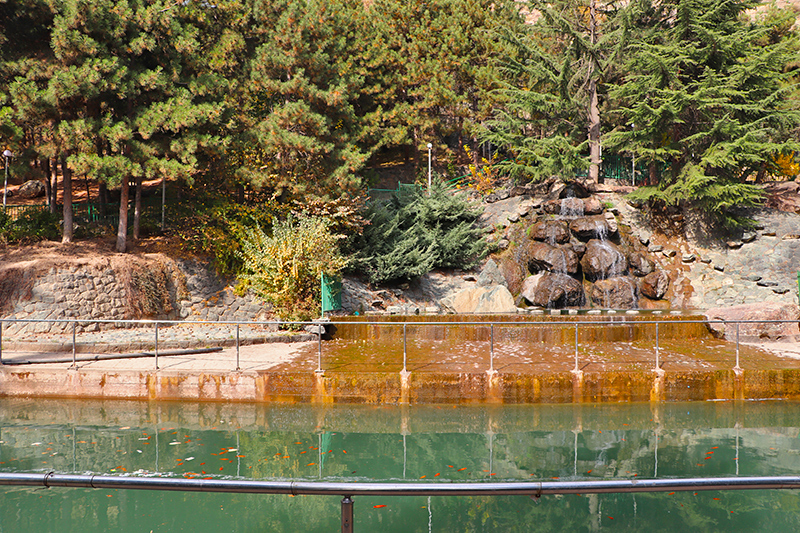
x=417, y=231
x=551, y=118
x=707, y=92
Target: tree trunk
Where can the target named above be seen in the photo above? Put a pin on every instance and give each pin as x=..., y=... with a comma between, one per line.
x=54, y=184
x=137, y=209
x=66, y=174
x=652, y=174
x=122, y=229
x=102, y=194
x=594, y=109
x=47, y=186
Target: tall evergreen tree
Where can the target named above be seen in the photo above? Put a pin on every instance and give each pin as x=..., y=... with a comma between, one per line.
x=706, y=92
x=551, y=120
x=130, y=103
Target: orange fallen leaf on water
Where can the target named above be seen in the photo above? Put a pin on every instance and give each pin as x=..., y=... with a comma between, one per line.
x=208, y=477
x=301, y=453
x=709, y=453
x=437, y=474
x=449, y=466
x=422, y=477
x=460, y=469
x=670, y=494
x=492, y=474
x=552, y=477
x=611, y=518
x=715, y=447
x=201, y=464
x=285, y=456
x=344, y=451
x=715, y=498
x=311, y=464
x=589, y=472
x=203, y=472
x=378, y=506
x=221, y=467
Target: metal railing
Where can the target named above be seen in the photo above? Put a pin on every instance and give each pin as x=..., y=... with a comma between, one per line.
x=491, y=325
x=534, y=489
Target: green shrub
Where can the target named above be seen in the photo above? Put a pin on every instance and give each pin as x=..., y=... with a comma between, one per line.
x=417, y=231
x=285, y=267
x=216, y=228
x=33, y=225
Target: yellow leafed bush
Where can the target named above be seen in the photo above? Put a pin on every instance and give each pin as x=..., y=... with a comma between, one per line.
x=285, y=267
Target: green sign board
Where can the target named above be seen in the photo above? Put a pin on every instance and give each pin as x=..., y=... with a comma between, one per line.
x=331, y=293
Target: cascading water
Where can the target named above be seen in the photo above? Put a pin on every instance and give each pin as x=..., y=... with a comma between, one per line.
x=571, y=207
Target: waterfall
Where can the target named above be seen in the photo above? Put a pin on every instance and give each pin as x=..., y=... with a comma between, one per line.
x=571, y=207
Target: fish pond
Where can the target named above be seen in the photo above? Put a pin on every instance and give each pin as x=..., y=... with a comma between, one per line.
x=436, y=444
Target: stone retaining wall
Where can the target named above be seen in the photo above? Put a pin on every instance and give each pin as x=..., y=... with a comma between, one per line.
x=149, y=287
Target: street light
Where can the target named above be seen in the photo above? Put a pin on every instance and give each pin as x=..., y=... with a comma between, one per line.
x=429, y=166
x=6, y=154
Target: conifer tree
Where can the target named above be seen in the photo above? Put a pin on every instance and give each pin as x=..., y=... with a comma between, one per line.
x=708, y=93
x=551, y=118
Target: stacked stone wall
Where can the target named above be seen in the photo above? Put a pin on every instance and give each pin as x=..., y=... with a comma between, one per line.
x=139, y=288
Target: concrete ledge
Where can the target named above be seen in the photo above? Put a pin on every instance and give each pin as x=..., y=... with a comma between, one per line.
x=392, y=388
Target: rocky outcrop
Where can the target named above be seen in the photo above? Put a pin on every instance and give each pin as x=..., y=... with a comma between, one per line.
x=542, y=256
x=640, y=264
x=654, y=285
x=603, y=260
x=553, y=290
x=586, y=228
x=786, y=331
x=615, y=293
x=550, y=231
x=31, y=189
x=495, y=299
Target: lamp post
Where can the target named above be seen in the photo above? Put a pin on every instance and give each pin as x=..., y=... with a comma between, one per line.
x=6, y=154
x=429, y=166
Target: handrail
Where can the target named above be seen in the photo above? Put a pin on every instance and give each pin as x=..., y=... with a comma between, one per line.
x=534, y=489
x=598, y=320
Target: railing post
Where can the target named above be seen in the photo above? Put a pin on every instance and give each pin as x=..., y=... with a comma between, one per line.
x=737, y=367
x=156, y=345
x=576, y=349
x=491, y=347
x=347, y=514
x=658, y=365
x=74, y=364
x=237, y=347
x=319, y=350
x=405, y=352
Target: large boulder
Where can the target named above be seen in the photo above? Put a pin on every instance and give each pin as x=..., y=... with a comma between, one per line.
x=495, y=300
x=654, y=285
x=603, y=260
x=542, y=256
x=586, y=228
x=592, y=206
x=615, y=293
x=550, y=231
x=553, y=290
x=31, y=189
x=751, y=332
x=640, y=264
x=571, y=207
x=491, y=275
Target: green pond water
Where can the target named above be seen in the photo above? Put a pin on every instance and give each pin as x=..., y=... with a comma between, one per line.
x=414, y=444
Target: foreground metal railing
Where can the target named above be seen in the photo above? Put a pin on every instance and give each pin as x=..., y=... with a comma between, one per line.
x=607, y=321
x=535, y=489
